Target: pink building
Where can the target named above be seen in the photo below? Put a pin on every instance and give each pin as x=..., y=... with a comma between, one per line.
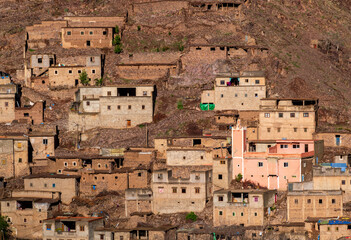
x=273, y=164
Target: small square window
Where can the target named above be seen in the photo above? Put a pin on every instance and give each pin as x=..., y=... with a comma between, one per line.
x=286, y=164
x=104, y=33
x=129, y=107
x=296, y=201
x=53, y=185
x=309, y=201
x=109, y=93
x=31, y=184
x=70, y=71
x=256, y=95
x=20, y=160
x=220, y=198
x=91, y=33
x=119, y=107
x=6, y=104
x=222, y=162
x=255, y=214
x=40, y=60
x=305, y=114
x=246, y=80
x=220, y=176
x=174, y=190
x=295, y=129
x=343, y=182
x=82, y=228
x=93, y=71
x=183, y=190
x=233, y=214
x=69, y=33
x=88, y=103
x=81, y=33
x=268, y=130
x=281, y=115
x=333, y=201
x=278, y=129
x=242, y=214
x=260, y=164
x=320, y=201
x=139, y=174
x=305, y=129
x=144, y=93
x=222, y=82
x=292, y=115
x=257, y=81
x=108, y=107
x=143, y=107
x=221, y=95
x=79, y=71
x=197, y=190
x=56, y=72
x=267, y=115
x=45, y=141
x=245, y=94
x=220, y=213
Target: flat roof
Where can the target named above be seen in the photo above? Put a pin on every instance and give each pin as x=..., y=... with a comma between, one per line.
x=261, y=191
x=36, y=200
x=50, y=175
x=302, y=99
x=120, y=85
x=82, y=219
x=314, y=192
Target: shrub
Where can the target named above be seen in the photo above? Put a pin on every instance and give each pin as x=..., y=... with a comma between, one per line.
x=117, y=40
x=118, y=49
x=139, y=28
x=180, y=105
x=4, y=228
x=84, y=79
x=99, y=81
x=191, y=216
x=116, y=30
x=238, y=177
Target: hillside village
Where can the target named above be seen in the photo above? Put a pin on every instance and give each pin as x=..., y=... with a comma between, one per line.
x=119, y=126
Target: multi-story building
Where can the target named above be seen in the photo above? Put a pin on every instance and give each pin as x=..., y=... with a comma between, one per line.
x=15, y=156
x=77, y=228
x=185, y=193
x=138, y=200
x=66, y=185
x=303, y=204
x=275, y=163
x=120, y=106
x=236, y=91
x=87, y=37
x=287, y=118
x=334, y=228
x=25, y=214
x=242, y=207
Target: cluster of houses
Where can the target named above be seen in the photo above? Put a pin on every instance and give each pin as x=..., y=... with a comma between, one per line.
x=268, y=146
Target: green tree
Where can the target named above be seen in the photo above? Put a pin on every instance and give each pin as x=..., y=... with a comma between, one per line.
x=191, y=216
x=117, y=40
x=99, y=81
x=84, y=79
x=117, y=29
x=118, y=48
x=180, y=105
x=238, y=177
x=5, y=231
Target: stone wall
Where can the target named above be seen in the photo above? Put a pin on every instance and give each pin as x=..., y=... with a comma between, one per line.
x=85, y=37
x=33, y=114
x=7, y=108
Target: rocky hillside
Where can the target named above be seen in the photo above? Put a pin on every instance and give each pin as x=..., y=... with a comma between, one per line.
x=285, y=27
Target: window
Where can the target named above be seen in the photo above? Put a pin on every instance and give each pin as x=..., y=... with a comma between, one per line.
x=260, y=164
x=91, y=33
x=69, y=33
x=220, y=198
x=268, y=129
x=109, y=93
x=278, y=129
x=74, y=163
x=20, y=160
x=88, y=43
x=305, y=129
x=197, y=190
x=236, y=95
x=45, y=141
x=222, y=162
x=40, y=60
x=320, y=201
x=220, y=213
x=309, y=201
x=6, y=104
x=333, y=201
x=26, y=114
x=183, y=190
x=343, y=182
x=267, y=115
x=256, y=95
x=144, y=93
x=257, y=81
x=93, y=71
x=233, y=214
x=305, y=114
x=79, y=71
x=70, y=71
x=143, y=107
x=245, y=94
x=246, y=80
x=222, y=82
x=81, y=33
x=283, y=146
x=255, y=214
x=65, y=164
x=108, y=107
x=31, y=184
x=160, y=176
x=256, y=199
x=242, y=214
x=221, y=95
x=336, y=229
x=119, y=107
x=296, y=145
x=220, y=176
x=174, y=190
x=129, y=107
x=88, y=103
x=280, y=115
x=296, y=201
x=8, y=204
x=56, y=72
x=53, y=185
x=286, y=164
x=48, y=227
x=292, y=115
x=295, y=129
x=45, y=185
x=82, y=228
x=104, y=33
x=213, y=49
x=25, y=220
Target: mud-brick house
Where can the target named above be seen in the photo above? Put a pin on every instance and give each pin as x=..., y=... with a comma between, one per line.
x=180, y=191
x=235, y=91
x=242, y=207
x=287, y=118
x=120, y=106
x=138, y=201
x=66, y=185
x=334, y=228
x=76, y=228
x=25, y=214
